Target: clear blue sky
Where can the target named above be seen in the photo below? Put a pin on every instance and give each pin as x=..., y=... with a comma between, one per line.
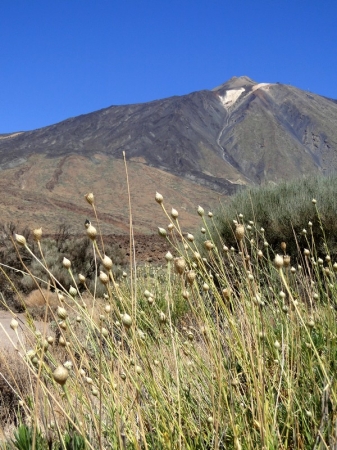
x=62, y=58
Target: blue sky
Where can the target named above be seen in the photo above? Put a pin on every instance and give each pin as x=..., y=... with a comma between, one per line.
x=62, y=58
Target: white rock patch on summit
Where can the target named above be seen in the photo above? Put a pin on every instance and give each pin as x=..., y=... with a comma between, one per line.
x=230, y=97
x=260, y=85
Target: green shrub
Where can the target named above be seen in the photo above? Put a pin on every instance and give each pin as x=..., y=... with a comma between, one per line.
x=284, y=211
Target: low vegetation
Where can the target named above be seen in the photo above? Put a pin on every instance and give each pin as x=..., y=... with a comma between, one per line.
x=286, y=213
x=230, y=344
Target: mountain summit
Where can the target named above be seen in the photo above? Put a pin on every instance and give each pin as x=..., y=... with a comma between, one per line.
x=192, y=147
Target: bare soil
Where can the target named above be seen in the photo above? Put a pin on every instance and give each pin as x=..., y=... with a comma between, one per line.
x=148, y=248
x=8, y=337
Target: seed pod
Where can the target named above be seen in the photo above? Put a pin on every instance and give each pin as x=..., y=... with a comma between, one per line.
x=72, y=291
x=210, y=214
x=37, y=233
x=278, y=261
x=205, y=287
x=68, y=365
x=20, y=239
x=50, y=340
x=203, y=230
x=168, y=256
x=162, y=232
x=105, y=332
x=306, y=252
x=61, y=375
x=227, y=293
x=190, y=237
x=170, y=226
x=62, y=313
x=190, y=276
x=159, y=198
x=311, y=323
x=208, y=245
x=90, y=198
x=174, y=214
x=126, y=320
x=107, y=308
x=91, y=232
x=103, y=277
x=63, y=325
x=201, y=211
x=62, y=341
x=185, y=294
x=35, y=360
x=107, y=262
x=283, y=246
x=239, y=232
x=14, y=324
x=179, y=265
x=81, y=278
x=66, y=263
x=162, y=317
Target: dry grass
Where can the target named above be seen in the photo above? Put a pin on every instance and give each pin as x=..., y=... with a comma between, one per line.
x=241, y=357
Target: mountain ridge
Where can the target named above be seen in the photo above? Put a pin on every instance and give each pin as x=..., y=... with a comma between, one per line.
x=212, y=142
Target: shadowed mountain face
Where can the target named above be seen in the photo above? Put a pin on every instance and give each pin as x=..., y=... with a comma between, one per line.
x=190, y=148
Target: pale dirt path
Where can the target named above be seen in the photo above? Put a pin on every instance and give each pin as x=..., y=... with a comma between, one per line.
x=5, y=320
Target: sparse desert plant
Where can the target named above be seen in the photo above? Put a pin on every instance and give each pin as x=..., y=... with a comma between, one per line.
x=226, y=345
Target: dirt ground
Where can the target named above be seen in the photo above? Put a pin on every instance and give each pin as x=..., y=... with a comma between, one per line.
x=8, y=336
x=148, y=249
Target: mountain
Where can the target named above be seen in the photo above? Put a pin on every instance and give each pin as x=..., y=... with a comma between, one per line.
x=194, y=149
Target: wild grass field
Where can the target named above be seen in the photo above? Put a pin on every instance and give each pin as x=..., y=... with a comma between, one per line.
x=231, y=343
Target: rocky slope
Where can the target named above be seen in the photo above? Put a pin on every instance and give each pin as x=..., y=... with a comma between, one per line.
x=194, y=149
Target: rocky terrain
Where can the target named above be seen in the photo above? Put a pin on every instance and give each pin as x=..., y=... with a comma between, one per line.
x=194, y=149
